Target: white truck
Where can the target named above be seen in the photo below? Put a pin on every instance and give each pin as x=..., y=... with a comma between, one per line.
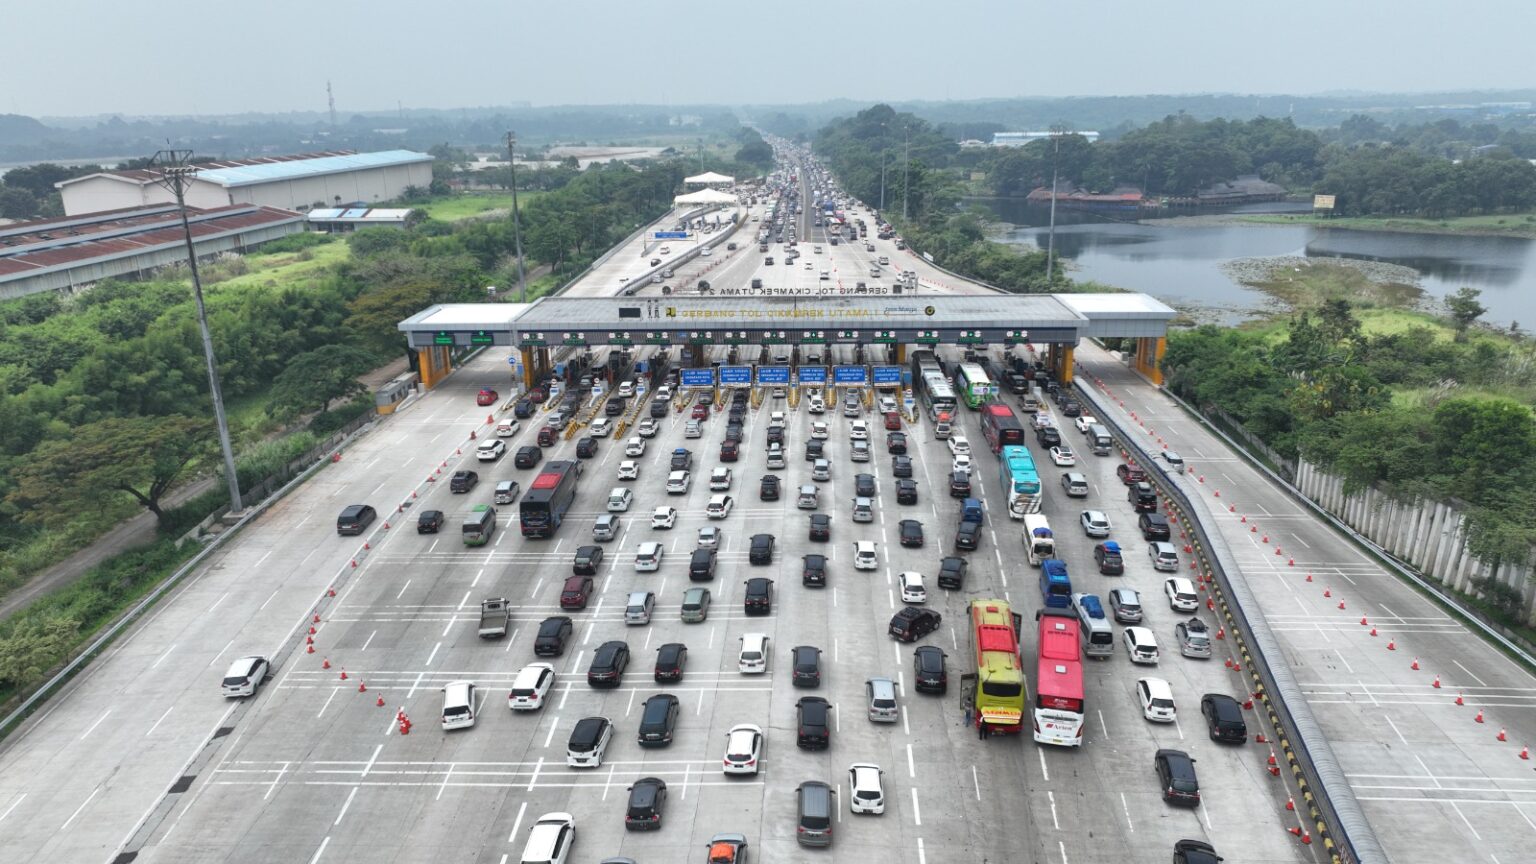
x=495, y=615
x=1039, y=542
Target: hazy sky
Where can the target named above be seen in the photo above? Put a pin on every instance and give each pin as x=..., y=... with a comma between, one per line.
x=72, y=57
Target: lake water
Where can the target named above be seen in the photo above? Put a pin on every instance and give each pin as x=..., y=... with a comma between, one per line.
x=1181, y=264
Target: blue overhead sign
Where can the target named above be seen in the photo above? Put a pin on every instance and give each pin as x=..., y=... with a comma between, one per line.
x=698, y=377
x=812, y=375
x=773, y=374
x=887, y=375
x=850, y=375
x=671, y=235
x=740, y=376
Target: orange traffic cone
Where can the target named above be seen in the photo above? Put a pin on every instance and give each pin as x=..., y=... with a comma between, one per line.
x=1458, y=700
x=1501, y=736
x=325, y=664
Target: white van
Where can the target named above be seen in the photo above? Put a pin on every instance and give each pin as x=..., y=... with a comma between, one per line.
x=459, y=705
x=619, y=499
x=1039, y=542
x=754, y=654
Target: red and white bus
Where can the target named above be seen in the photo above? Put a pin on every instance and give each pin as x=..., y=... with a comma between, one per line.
x=1059, y=705
x=1001, y=426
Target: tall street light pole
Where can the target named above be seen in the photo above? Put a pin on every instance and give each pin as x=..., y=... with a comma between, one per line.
x=517, y=227
x=882, y=181
x=1050, y=244
x=906, y=174
x=176, y=175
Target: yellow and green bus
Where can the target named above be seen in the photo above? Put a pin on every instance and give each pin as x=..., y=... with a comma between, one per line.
x=479, y=525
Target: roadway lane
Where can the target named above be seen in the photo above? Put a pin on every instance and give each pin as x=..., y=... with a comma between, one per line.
x=1435, y=783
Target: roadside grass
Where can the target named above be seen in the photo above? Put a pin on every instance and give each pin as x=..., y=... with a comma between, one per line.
x=451, y=208
x=1513, y=224
x=1312, y=286
x=281, y=267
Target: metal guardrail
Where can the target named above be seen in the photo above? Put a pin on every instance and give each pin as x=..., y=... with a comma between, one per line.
x=1336, y=815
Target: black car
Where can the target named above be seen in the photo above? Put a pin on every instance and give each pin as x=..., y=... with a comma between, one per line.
x=614, y=407
x=768, y=490
x=968, y=536
x=1071, y=408
x=553, y=633
x=815, y=449
x=670, y=660
x=901, y=466
x=429, y=522
x=1224, y=718
x=910, y=623
x=658, y=720
x=1048, y=436
x=821, y=526
x=896, y=443
x=733, y=433
x=952, y=572
x=1142, y=496
x=587, y=559
x=527, y=457
x=759, y=598
x=659, y=408
x=805, y=666
x=864, y=485
x=906, y=491
x=608, y=664
x=1176, y=773
x=959, y=484
x=928, y=674
x=911, y=532
x=586, y=447
x=647, y=800
x=1195, y=852
x=1154, y=526
x=682, y=459
x=813, y=723
x=776, y=435
x=523, y=409
x=463, y=481
x=1107, y=556
x=761, y=550
x=813, y=571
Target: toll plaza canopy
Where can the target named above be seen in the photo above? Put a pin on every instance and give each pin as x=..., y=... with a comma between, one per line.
x=976, y=319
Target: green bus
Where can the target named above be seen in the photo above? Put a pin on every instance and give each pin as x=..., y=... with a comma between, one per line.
x=479, y=525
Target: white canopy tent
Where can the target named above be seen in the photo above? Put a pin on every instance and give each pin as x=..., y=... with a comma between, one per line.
x=707, y=178
x=704, y=196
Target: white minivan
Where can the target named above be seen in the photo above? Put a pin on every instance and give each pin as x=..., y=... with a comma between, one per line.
x=754, y=654
x=619, y=499
x=459, y=705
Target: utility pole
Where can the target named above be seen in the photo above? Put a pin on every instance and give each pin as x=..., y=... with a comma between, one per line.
x=330, y=99
x=517, y=227
x=906, y=175
x=1050, y=244
x=176, y=175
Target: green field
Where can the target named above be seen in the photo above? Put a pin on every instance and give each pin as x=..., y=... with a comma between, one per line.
x=1507, y=224
x=455, y=207
x=281, y=267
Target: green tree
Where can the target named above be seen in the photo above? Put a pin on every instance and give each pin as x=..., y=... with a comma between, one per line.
x=17, y=203
x=1465, y=308
x=35, y=645
x=140, y=456
x=315, y=379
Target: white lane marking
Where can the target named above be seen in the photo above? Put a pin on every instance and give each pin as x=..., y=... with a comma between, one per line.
x=344, y=806
x=532, y=780
x=269, y=596
x=321, y=851
x=1469, y=673
x=465, y=600
x=1054, y=821
x=1102, y=725
x=1208, y=826
x=1399, y=733
x=700, y=709
x=553, y=724
x=161, y=658
x=922, y=857
x=917, y=813
x=911, y=767
x=684, y=794
x=1125, y=805
x=896, y=651
x=608, y=781
x=446, y=775
x=218, y=601
x=402, y=589
x=433, y=655
x=89, y=798
x=448, y=627
x=94, y=725
x=369, y=640
x=13, y=806
x=414, y=685
x=481, y=571
x=321, y=712
x=154, y=727
x=521, y=810
x=976, y=782
x=1046, y=772
x=1061, y=846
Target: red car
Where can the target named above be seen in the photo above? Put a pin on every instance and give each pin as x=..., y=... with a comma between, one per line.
x=538, y=395
x=701, y=411
x=730, y=451
x=1130, y=474
x=892, y=421
x=486, y=396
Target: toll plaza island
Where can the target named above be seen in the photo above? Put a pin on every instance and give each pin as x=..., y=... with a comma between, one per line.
x=787, y=330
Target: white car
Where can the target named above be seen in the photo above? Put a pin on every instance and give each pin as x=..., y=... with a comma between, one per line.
x=709, y=537
x=819, y=430
x=864, y=557
x=719, y=506
x=634, y=446
x=1181, y=594
x=776, y=419
x=647, y=428
x=816, y=405
x=589, y=741
x=959, y=446
x=602, y=427
x=1156, y=699
x=1043, y=419
x=868, y=791
x=490, y=451
x=887, y=404
x=1140, y=644
x=244, y=676
x=664, y=517
x=508, y=427
x=629, y=469
x=743, y=749
x=961, y=463
x=1085, y=422
x=913, y=590
x=1095, y=523
x=678, y=482
x=720, y=479
x=550, y=839
x=665, y=250
x=619, y=499
x=648, y=556
x=1063, y=456
x=859, y=430
x=530, y=687
x=626, y=389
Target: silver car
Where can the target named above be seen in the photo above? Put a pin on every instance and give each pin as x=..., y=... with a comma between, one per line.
x=1194, y=638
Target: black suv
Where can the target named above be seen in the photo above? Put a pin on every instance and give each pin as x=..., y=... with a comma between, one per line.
x=805, y=666
x=1048, y=436
x=429, y=522
x=553, y=632
x=587, y=560
x=814, y=571
x=1224, y=718
x=952, y=572
x=1142, y=497
x=463, y=481
x=864, y=485
x=759, y=598
x=901, y=466
x=928, y=674
x=1107, y=556
x=910, y=624
x=608, y=664
x=647, y=800
x=670, y=660
x=527, y=457
x=959, y=484
x=1154, y=526
x=821, y=526
x=658, y=719
x=911, y=532
x=814, y=449
x=906, y=491
x=586, y=447
x=1176, y=772
x=682, y=459
x=896, y=443
x=523, y=409
x=768, y=490
x=762, y=549
x=968, y=536
x=813, y=725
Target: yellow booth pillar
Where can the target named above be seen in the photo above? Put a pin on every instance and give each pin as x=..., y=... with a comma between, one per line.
x=901, y=353
x=1149, y=357
x=434, y=364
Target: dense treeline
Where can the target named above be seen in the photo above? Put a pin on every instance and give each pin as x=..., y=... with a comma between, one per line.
x=1406, y=410
x=1391, y=182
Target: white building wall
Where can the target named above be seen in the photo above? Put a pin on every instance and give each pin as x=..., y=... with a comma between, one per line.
x=370, y=185
x=96, y=194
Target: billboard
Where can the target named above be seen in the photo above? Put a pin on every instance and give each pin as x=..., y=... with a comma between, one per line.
x=1323, y=202
x=698, y=377
x=887, y=375
x=812, y=375
x=735, y=376
x=773, y=374
x=850, y=375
